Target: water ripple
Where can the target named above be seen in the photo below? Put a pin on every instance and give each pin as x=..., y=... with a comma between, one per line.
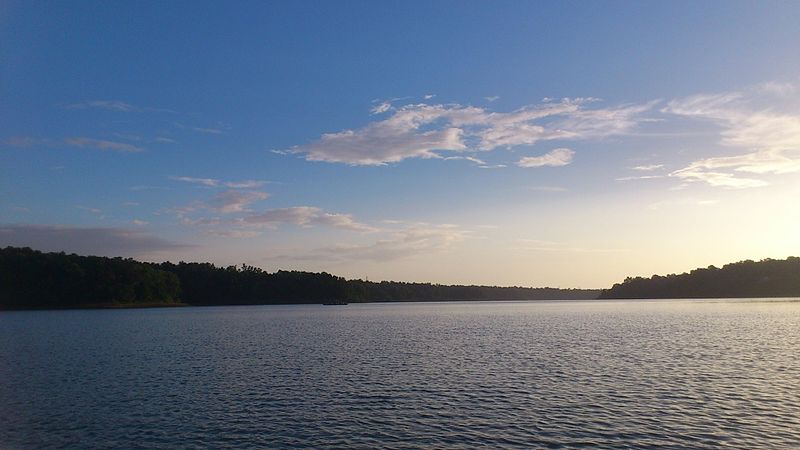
x=661, y=374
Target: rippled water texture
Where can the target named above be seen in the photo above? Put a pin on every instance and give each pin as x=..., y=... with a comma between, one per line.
x=690, y=374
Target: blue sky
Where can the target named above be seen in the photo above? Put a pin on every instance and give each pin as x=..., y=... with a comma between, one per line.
x=525, y=143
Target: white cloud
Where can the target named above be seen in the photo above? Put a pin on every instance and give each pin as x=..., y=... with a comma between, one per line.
x=492, y=98
x=553, y=158
x=413, y=240
x=218, y=129
x=102, y=144
x=115, y=105
x=225, y=202
x=382, y=142
x=640, y=177
x=473, y=159
x=648, y=167
x=381, y=108
x=207, y=130
x=213, y=182
x=756, y=120
x=305, y=216
x=235, y=201
x=427, y=130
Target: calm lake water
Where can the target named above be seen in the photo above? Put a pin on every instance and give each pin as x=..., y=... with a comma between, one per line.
x=676, y=374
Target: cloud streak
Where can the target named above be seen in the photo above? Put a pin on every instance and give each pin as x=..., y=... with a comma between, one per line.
x=115, y=105
x=82, y=142
x=305, y=216
x=213, y=182
x=771, y=134
x=231, y=201
x=554, y=158
x=100, y=144
x=85, y=240
x=431, y=130
x=410, y=241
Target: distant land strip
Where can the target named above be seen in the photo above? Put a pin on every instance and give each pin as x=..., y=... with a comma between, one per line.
x=744, y=279
x=30, y=279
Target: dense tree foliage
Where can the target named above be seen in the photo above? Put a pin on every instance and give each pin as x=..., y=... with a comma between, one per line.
x=766, y=278
x=393, y=291
x=206, y=284
x=32, y=279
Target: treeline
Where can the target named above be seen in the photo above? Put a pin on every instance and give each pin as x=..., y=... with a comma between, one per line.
x=766, y=278
x=32, y=279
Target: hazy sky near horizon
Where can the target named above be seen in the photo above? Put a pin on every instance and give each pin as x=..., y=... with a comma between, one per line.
x=564, y=144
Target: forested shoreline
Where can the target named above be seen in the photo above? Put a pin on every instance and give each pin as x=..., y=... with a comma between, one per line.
x=30, y=279
x=744, y=279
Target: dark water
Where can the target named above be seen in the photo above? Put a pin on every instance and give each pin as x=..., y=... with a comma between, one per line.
x=670, y=374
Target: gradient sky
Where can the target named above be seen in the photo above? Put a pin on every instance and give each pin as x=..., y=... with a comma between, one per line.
x=565, y=144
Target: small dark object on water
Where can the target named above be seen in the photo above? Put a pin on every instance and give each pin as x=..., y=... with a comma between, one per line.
x=336, y=302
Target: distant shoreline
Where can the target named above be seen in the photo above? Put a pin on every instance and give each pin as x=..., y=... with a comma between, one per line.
x=112, y=306
x=98, y=306
x=33, y=280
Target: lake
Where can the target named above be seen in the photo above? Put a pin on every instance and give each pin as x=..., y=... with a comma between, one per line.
x=676, y=374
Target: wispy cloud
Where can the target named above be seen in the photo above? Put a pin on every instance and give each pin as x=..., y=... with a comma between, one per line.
x=427, y=130
x=216, y=129
x=305, y=216
x=410, y=241
x=83, y=142
x=116, y=105
x=381, y=108
x=207, y=130
x=136, y=138
x=648, y=167
x=235, y=201
x=481, y=164
x=100, y=144
x=554, y=158
x=27, y=142
x=752, y=119
x=213, y=182
x=225, y=202
x=640, y=177
x=85, y=240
